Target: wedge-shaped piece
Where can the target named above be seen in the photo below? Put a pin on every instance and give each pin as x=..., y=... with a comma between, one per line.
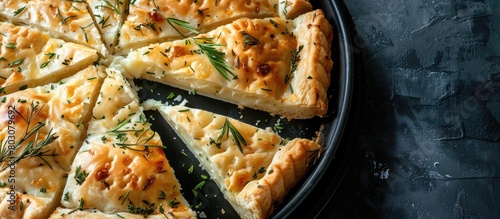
x=276, y=65
x=41, y=131
x=254, y=168
x=161, y=20
x=68, y=20
x=121, y=168
x=30, y=58
x=108, y=16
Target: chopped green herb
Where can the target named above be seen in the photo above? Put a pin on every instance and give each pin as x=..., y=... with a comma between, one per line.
x=43, y=65
x=18, y=11
x=249, y=40
x=10, y=46
x=80, y=175
x=14, y=63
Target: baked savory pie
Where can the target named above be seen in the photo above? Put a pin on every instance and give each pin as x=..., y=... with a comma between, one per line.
x=41, y=130
x=166, y=20
x=274, y=64
x=74, y=139
x=30, y=58
x=121, y=167
x=254, y=168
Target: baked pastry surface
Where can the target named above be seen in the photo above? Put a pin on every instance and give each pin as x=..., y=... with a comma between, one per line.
x=255, y=168
x=276, y=65
x=42, y=129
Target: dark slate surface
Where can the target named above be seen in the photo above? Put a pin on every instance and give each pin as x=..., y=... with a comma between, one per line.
x=429, y=142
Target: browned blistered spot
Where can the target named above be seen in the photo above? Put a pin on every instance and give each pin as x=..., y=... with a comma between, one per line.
x=127, y=170
x=237, y=61
x=178, y=51
x=102, y=174
x=263, y=69
x=155, y=16
x=126, y=161
x=149, y=182
x=91, y=152
x=133, y=182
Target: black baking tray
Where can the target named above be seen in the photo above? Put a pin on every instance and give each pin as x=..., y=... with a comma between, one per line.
x=208, y=201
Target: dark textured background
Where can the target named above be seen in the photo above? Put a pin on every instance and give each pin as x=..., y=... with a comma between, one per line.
x=429, y=142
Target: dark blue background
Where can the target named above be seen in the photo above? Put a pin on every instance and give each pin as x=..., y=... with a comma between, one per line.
x=429, y=139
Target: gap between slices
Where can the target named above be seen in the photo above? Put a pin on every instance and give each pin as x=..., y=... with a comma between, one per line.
x=30, y=58
x=68, y=20
x=42, y=129
x=165, y=20
x=121, y=167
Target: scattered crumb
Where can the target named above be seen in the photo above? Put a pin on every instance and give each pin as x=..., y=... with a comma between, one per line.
x=222, y=211
x=203, y=215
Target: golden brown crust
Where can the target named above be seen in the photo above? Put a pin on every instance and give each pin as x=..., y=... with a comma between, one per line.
x=312, y=76
x=259, y=198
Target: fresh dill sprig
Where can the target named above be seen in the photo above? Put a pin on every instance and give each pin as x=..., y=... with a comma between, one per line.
x=208, y=47
x=184, y=24
x=294, y=63
x=238, y=138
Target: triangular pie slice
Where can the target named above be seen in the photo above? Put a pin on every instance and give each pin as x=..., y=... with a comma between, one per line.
x=109, y=16
x=161, y=20
x=67, y=20
x=29, y=58
x=121, y=167
x=275, y=65
x=255, y=168
x=41, y=131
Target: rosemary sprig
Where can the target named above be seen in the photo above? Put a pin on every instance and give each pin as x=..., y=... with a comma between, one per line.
x=249, y=40
x=109, y=6
x=34, y=147
x=84, y=32
x=208, y=47
x=294, y=63
x=142, y=140
x=63, y=20
x=238, y=138
x=184, y=24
